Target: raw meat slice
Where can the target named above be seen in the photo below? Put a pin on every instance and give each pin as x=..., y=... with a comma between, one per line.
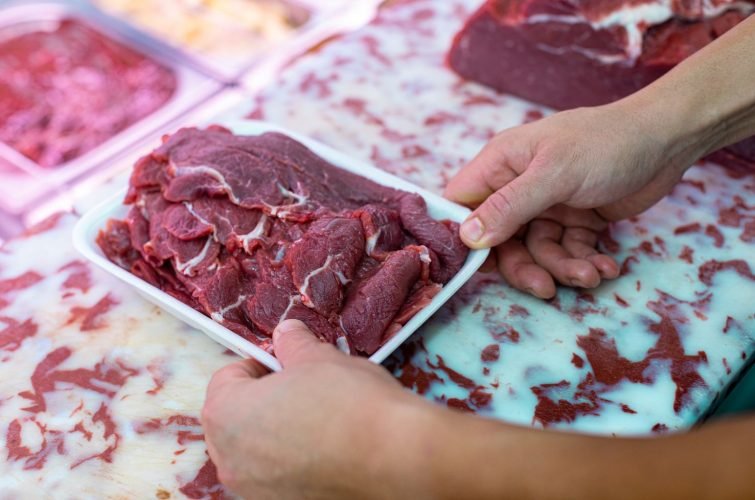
x=254, y=230
x=377, y=300
x=441, y=238
x=382, y=230
x=323, y=262
x=571, y=53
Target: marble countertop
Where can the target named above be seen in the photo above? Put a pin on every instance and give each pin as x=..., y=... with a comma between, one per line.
x=100, y=392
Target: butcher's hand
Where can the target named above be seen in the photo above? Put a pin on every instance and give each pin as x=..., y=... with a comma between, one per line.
x=327, y=426
x=543, y=191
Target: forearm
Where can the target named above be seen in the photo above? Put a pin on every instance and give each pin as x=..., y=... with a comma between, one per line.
x=478, y=458
x=707, y=102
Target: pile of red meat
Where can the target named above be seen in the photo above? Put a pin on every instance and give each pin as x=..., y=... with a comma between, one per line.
x=252, y=230
x=570, y=53
x=67, y=89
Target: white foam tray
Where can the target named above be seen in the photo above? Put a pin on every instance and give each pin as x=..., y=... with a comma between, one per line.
x=86, y=230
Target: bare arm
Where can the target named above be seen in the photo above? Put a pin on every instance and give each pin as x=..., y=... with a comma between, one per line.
x=333, y=426
x=564, y=176
x=478, y=458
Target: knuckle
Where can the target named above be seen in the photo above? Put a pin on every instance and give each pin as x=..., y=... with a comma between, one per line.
x=500, y=204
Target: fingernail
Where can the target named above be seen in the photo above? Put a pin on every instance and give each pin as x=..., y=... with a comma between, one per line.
x=472, y=230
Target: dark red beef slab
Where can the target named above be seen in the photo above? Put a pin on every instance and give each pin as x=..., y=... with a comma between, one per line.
x=255, y=230
x=572, y=53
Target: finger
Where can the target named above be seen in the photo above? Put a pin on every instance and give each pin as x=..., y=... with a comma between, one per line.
x=294, y=343
x=542, y=242
x=520, y=271
x=575, y=217
x=500, y=216
x=581, y=244
x=243, y=370
x=490, y=265
x=481, y=177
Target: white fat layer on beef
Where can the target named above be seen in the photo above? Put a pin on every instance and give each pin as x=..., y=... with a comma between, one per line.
x=372, y=242
x=142, y=206
x=187, y=268
x=219, y=316
x=208, y=171
x=190, y=207
x=257, y=233
x=341, y=277
x=424, y=255
x=280, y=254
x=292, y=301
x=635, y=19
x=282, y=211
x=305, y=286
x=342, y=343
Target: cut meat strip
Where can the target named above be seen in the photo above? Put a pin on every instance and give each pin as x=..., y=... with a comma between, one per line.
x=323, y=261
x=115, y=242
x=372, y=307
x=382, y=230
x=442, y=239
x=570, y=53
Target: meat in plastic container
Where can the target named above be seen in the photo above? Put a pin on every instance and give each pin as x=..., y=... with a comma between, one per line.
x=87, y=229
x=76, y=63
x=228, y=37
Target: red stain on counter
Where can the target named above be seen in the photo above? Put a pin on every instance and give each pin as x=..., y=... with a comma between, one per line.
x=669, y=346
x=660, y=428
x=551, y=408
x=626, y=409
x=689, y=228
x=103, y=417
x=608, y=366
x=103, y=378
x=456, y=377
x=185, y=427
x=459, y=404
x=577, y=360
x=52, y=441
x=620, y=300
x=686, y=254
x=20, y=282
x=45, y=225
x=708, y=270
x=715, y=233
x=80, y=277
x=480, y=398
x=205, y=484
x=15, y=332
x=517, y=311
x=90, y=316
x=490, y=353
x=729, y=323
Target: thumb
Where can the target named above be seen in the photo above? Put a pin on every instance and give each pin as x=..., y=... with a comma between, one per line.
x=294, y=343
x=502, y=214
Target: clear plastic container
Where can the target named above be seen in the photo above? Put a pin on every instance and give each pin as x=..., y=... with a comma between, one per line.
x=228, y=37
x=23, y=182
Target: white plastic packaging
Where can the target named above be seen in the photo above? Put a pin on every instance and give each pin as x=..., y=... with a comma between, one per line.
x=86, y=230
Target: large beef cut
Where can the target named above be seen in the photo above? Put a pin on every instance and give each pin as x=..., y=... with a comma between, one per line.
x=570, y=53
x=252, y=230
